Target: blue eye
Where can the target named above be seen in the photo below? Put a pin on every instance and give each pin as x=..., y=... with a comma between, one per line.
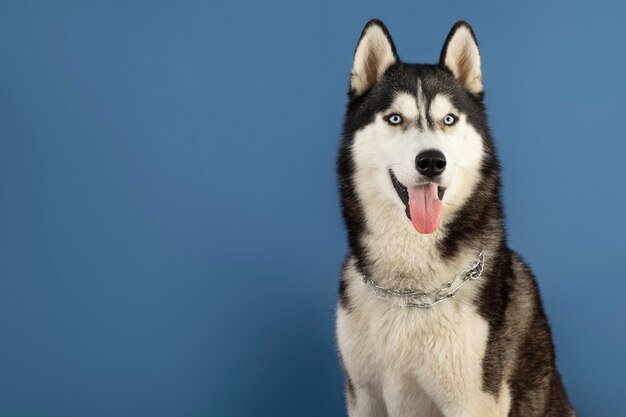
x=449, y=120
x=394, y=119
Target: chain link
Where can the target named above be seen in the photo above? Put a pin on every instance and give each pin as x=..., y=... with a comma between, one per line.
x=421, y=299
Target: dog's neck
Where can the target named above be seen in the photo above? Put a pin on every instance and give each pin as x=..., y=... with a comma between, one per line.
x=396, y=255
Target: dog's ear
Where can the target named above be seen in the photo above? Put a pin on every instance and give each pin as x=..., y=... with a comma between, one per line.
x=461, y=56
x=374, y=54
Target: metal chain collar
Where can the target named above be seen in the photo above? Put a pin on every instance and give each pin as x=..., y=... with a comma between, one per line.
x=421, y=299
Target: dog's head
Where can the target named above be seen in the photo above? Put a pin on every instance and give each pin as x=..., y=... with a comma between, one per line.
x=416, y=134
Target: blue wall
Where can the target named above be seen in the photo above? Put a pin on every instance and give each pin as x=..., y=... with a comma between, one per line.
x=170, y=234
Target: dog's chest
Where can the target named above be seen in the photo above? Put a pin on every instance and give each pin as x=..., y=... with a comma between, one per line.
x=379, y=340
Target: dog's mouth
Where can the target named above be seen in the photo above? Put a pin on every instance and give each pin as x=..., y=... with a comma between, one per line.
x=423, y=203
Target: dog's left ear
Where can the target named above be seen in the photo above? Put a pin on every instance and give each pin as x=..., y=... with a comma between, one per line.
x=461, y=56
x=374, y=54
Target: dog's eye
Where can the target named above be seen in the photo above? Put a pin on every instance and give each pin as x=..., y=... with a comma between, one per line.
x=394, y=119
x=449, y=120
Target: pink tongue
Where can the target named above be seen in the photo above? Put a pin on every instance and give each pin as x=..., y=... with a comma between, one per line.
x=425, y=207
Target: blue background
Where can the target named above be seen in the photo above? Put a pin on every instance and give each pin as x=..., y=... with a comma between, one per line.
x=170, y=236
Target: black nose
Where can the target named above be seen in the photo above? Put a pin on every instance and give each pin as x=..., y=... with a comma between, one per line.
x=430, y=163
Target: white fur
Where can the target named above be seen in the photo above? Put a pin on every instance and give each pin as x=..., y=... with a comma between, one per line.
x=421, y=101
x=404, y=361
x=379, y=147
x=414, y=362
x=463, y=59
x=374, y=48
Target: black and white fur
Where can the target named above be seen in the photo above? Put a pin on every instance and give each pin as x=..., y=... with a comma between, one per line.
x=488, y=352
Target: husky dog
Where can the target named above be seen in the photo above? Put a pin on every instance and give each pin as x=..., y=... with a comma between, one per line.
x=436, y=315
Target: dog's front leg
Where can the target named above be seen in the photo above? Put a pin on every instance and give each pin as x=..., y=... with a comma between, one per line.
x=405, y=398
x=455, y=397
x=451, y=371
x=365, y=402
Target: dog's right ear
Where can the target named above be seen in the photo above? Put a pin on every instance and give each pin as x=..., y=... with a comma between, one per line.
x=461, y=56
x=374, y=54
